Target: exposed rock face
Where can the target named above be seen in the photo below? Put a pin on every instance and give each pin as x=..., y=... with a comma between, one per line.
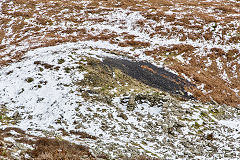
x=151, y=75
x=131, y=103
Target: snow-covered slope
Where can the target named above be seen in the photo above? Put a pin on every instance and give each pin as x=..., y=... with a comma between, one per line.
x=199, y=40
x=53, y=82
x=44, y=93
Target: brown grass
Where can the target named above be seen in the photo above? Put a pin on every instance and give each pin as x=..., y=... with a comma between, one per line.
x=55, y=149
x=83, y=135
x=226, y=9
x=31, y=36
x=133, y=43
x=219, y=90
x=160, y=2
x=148, y=68
x=2, y=35
x=172, y=51
x=43, y=148
x=49, y=149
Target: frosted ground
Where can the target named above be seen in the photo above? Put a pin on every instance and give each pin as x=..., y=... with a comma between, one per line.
x=42, y=99
x=199, y=40
x=51, y=53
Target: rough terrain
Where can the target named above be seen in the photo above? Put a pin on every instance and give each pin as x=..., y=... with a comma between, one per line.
x=122, y=79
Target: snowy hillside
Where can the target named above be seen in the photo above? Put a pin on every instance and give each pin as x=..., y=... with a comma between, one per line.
x=55, y=83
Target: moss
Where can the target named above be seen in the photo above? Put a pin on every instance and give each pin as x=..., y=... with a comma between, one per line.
x=4, y=119
x=197, y=107
x=29, y=79
x=61, y=61
x=186, y=119
x=204, y=114
x=144, y=143
x=74, y=53
x=106, y=82
x=38, y=86
x=67, y=69
x=216, y=113
x=196, y=125
x=3, y=153
x=41, y=69
x=199, y=132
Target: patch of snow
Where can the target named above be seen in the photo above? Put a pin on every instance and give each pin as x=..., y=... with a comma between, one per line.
x=9, y=139
x=180, y=58
x=234, y=124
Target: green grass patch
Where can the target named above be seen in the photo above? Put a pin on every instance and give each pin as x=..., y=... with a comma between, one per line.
x=29, y=79
x=104, y=82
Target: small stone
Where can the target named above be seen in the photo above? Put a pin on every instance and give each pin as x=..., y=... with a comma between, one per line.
x=139, y=119
x=170, y=130
x=166, y=98
x=149, y=116
x=30, y=117
x=189, y=111
x=180, y=124
x=16, y=116
x=159, y=122
x=104, y=126
x=210, y=136
x=1, y=143
x=110, y=116
x=123, y=116
x=131, y=103
x=165, y=127
x=170, y=125
x=178, y=114
x=85, y=156
x=29, y=79
x=80, y=125
x=179, y=130
x=166, y=104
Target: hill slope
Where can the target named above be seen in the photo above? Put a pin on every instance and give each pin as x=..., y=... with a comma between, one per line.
x=63, y=76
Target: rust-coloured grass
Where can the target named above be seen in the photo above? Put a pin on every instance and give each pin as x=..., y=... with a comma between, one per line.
x=43, y=148
x=196, y=15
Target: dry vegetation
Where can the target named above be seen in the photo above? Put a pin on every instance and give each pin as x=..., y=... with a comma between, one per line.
x=41, y=23
x=41, y=148
x=30, y=24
